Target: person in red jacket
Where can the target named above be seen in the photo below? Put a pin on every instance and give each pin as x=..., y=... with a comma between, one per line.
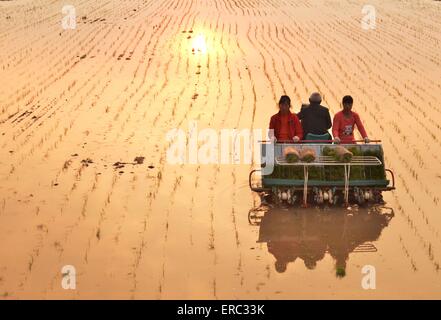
x=344, y=123
x=286, y=125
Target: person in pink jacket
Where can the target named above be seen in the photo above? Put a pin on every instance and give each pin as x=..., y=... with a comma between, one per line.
x=344, y=123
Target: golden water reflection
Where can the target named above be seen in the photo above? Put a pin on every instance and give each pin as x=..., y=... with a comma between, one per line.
x=310, y=234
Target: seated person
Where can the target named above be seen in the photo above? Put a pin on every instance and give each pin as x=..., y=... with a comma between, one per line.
x=315, y=119
x=286, y=125
x=345, y=121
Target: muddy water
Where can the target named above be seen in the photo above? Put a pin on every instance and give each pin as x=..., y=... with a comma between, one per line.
x=78, y=107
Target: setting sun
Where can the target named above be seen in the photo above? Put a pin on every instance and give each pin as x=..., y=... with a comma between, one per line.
x=199, y=44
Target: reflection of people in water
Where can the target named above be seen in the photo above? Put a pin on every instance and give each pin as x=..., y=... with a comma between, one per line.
x=283, y=246
x=354, y=230
x=308, y=235
x=313, y=244
x=284, y=252
x=312, y=253
x=290, y=237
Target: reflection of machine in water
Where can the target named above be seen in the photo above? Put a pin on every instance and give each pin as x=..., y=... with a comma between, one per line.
x=310, y=234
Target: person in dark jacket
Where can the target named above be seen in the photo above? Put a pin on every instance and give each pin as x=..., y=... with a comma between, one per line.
x=315, y=119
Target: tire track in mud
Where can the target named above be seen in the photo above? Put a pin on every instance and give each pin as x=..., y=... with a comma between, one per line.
x=265, y=70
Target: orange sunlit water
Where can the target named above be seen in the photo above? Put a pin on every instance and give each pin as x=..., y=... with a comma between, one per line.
x=85, y=116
